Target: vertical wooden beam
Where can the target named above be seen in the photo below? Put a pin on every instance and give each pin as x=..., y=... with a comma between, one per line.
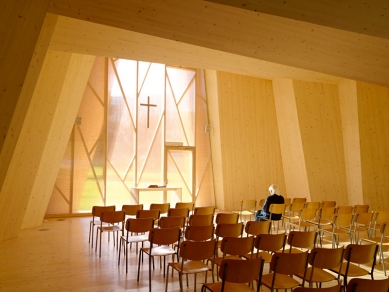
x=214, y=120
x=293, y=160
x=348, y=100
x=51, y=117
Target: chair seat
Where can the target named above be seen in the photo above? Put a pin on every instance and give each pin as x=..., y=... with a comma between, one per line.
x=219, y=260
x=377, y=239
x=228, y=287
x=353, y=270
x=162, y=250
x=246, y=213
x=136, y=238
x=110, y=228
x=319, y=275
x=265, y=256
x=191, y=267
x=281, y=282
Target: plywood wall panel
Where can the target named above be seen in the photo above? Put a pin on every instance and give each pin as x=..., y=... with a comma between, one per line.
x=351, y=140
x=293, y=160
x=60, y=98
x=321, y=133
x=373, y=106
x=250, y=145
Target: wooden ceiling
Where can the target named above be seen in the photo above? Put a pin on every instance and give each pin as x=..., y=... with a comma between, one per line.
x=313, y=42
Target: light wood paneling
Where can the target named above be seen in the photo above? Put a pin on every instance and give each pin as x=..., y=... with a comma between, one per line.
x=20, y=23
x=59, y=96
x=293, y=160
x=321, y=133
x=350, y=130
x=82, y=37
x=241, y=32
x=250, y=146
x=373, y=108
x=211, y=82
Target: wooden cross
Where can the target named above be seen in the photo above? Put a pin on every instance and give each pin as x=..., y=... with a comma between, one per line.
x=148, y=109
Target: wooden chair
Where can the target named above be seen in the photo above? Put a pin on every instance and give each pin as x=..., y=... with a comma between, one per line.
x=115, y=221
x=320, y=260
x=229, y=218
x=312, y=205
x=198, y=220
x=96, y=213
x=155, y=214
x=360, y=209
x=233, y=248
x=300, y=241
x=235, y=274
x=132, y=209
x=261, y=203
x=172, y=221
x=355, y=255
x=136, y=232
x=276, y=209
x=326, y=204
x=381, y=241
x=247, y=208
x=228, y=230
x=283, y=267
x=265, y=245
x=324, y=219
x=163, y=207
x=253, y=228
x=199, y=233
x=362, y=223
x=178, y=212
x=287, y=202
x=380, y=217
x=344, y=210
x=189, y=205
x=360, y=285
x=336, y=288
x=291, y=214
x=204, y=210
x=342, y=224
x=192, y=255
x=306, y=219
x=160, y=246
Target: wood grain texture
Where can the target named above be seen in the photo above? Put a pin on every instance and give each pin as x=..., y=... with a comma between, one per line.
x=373, y=104
x=241, y=32
x=292, y=151
x=58, y=115
x=250, y=145
x=352, y=151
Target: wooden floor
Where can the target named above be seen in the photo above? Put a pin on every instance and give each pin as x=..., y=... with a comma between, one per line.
x=57, y=257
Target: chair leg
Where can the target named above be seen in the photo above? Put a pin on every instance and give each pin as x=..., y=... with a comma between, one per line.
x=149, y=273
x=167, y=278
x=140, y=255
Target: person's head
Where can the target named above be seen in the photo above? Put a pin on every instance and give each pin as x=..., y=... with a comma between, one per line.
x=274, y=189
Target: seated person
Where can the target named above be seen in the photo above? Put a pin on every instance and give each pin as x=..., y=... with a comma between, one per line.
x=274, y=198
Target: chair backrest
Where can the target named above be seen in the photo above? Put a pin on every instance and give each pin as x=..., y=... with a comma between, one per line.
x=204, y=210
x=295, y=207
x=178, y=212
x=229, y=218
x=326, y=213
x=312, y=205
x=308, y=214
x=164, y=236
x=155, y=214
x=238, y=271
x=229, y=230
x=325, y=204
x=199, y=233
x=287, y=202
x=270, y=242
x=360, y=253
x=189, y=205
x=113, y=217
x=344, y=210
x=360, y=209
x=261, y=203
x=343, y=220
x=363, y=219
x=326, y=258
x=299, y=200
x=131, y=209
x=257, y=227
x=302, y=239
x=172, y=221
x=237, y=245
x=360, y=285
x=197, y=250
x=289, y=263
x=381, y=216
x=139, y=225
x=336, y=288
x=248, y=205
x=276, y=209
x=98, y=210
x=163, y=208
x=199, y=220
